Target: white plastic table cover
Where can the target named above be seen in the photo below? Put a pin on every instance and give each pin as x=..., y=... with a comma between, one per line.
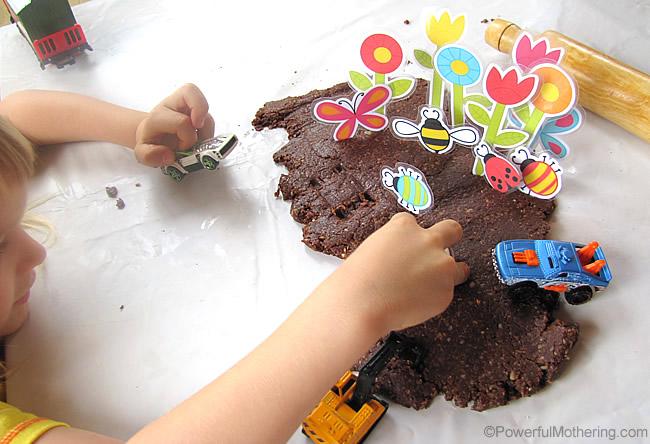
x=136, y=309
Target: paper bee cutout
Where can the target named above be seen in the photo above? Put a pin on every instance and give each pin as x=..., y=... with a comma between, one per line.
x=542, y=176
x=409, y=186
x=433, y=134
x=349, y=114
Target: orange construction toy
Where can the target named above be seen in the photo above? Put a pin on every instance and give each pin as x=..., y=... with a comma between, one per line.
x=557, y=288
x=586, y=253
x=528, y=257
x=594, y=267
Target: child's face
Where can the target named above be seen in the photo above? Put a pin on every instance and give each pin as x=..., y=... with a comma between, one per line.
x=19, y=255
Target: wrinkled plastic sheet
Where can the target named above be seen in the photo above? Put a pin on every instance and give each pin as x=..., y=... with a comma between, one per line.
x=136, y=309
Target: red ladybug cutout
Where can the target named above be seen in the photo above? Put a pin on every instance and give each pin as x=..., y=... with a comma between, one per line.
x=499, y=172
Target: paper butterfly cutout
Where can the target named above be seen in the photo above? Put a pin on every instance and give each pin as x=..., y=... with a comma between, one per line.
x=433, y=134
x=349, y=114
x=553, y=127
x=409, y=186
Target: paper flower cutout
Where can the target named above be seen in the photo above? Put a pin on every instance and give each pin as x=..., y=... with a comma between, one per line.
x=381, y=53
x=458, y=66
x=443, y=31
x=511, y=89
x=556, y=93
x=528, y=53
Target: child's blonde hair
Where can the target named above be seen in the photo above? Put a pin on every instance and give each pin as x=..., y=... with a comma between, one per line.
x=17, y=156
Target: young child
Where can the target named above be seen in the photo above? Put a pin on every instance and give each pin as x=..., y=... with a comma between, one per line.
x=368, y=296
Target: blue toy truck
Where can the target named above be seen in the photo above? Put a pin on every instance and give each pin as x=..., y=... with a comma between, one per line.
x=576, y=270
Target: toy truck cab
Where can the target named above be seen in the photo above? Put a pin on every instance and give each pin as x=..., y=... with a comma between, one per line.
x=348, y=412
x=203, y=155
x=576, y=270
x=334, y=420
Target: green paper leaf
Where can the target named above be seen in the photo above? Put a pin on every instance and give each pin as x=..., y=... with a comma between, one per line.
x=478, y=167
x=423, y=58
x=510, y=138
x=523, y=113
x=478, y=114
x=401, y=87
x=360, y=81
x=480, y=99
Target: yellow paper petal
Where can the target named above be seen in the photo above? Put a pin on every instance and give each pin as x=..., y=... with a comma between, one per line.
x=432, y=25
x=442, y=31
x=459, y=26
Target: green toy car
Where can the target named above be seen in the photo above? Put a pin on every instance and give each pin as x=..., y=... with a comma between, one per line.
x=203, y=155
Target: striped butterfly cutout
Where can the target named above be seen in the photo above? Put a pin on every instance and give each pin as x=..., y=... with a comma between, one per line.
x=349, y=114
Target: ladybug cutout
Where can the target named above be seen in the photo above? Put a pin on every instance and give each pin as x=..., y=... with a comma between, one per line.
x=502, y=175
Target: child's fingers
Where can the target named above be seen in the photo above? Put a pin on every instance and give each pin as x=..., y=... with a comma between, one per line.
x=462, y=273
x=446, y=233
x=207, y=131
x=165, y=121
x=154, y=155
x=189, y=98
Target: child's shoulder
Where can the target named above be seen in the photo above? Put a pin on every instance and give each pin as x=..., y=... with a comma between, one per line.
x=18, y=427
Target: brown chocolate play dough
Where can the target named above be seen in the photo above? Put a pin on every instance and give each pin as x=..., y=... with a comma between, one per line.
x=484, y=350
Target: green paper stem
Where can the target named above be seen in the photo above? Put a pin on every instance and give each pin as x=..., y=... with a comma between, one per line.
x=458, y=117
x=495, y=124
x=478, y=169
x=534, y=122
x=380, y=79
x=435, y=100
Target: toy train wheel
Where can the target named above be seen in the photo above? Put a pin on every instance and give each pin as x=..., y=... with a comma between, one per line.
x=579, y=295
x=521, y=290
x=209, y=163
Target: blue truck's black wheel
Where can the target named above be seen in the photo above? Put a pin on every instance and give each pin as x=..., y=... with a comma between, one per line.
x=521, y=290
x=579, y=295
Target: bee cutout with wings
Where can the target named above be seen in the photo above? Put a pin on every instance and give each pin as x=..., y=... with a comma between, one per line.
x=432, y=132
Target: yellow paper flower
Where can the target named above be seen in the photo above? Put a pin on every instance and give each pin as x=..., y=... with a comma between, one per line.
x=443, y=31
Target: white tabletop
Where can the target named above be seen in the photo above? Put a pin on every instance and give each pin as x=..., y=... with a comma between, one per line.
x=136, y=309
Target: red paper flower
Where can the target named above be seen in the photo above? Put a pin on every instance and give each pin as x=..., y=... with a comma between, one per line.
x=512, y=89
x=381, y=53
x=528, y=53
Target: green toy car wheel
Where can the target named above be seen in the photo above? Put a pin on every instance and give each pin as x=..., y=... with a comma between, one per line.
x=209, y=163
x=175, y=173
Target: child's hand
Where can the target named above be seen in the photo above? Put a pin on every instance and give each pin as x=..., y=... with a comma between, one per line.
x=401, y=275
x=177, y=123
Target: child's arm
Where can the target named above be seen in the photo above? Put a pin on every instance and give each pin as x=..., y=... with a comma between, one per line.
x=48, y=117
x=399, y=277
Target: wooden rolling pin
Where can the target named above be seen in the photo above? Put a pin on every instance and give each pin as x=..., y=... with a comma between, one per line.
x=607, y=87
